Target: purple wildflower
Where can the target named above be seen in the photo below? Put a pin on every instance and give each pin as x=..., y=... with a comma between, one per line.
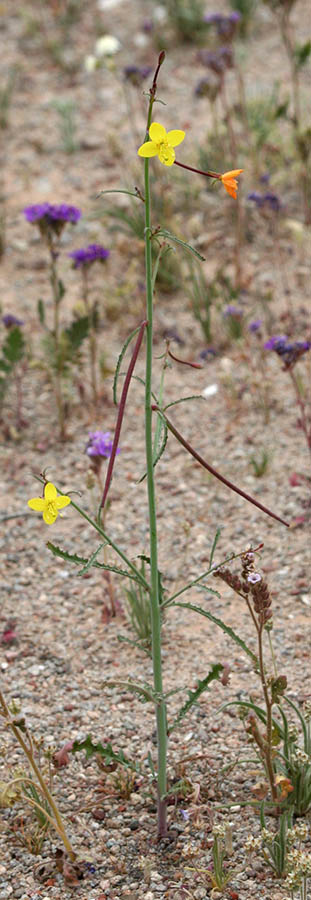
x=84, y=257
x=207, y=87
x=99, y=444
x=269, y=199
x=253, y=577
x=265, y=178
x=212, y=61
x=136, y=74
x=11, y=321
x=50, y=213
x=233, y=311
x=289, y=352
x=255, y=325
x=225, y=25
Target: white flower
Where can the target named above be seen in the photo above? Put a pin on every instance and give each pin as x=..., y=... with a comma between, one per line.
x=90, y=63
x=107, y=45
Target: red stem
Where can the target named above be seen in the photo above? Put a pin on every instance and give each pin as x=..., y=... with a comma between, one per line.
x=121, y=411
x=214, y=471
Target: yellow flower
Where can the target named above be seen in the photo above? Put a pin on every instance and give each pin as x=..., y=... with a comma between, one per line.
x=161, y=143
x=50, y=504
x=229, y=181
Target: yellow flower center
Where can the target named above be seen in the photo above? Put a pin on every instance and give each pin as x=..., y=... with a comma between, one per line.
x=51, y=508
x=165, y=152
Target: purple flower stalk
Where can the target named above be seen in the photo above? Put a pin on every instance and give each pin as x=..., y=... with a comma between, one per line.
x=225, y=25
x=99, y=444
x=289, y=352
x=50, y=213
x=84, y=257
x=11, y=321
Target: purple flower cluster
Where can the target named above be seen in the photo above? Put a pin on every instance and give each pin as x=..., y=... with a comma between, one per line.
x=225, y=25
x=266, y=200
x=207, y=87
x=136, y=74
x=289, y=352
x=99, y=444
x=233, y=311
x=11, y=321
x=50, y=213
x=255, y=325
x=84, y=257
x=217, y=60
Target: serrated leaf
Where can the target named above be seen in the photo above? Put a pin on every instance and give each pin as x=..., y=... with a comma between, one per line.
x=193, y=696
x=183, y=400
x=172, y=237
x=91, y=560
x=226, y=628
x=107, y=752
x=80, y=560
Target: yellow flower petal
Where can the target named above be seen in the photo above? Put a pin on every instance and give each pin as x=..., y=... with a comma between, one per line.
x=233, y=173
x=157, y=132
x=175, y=137
x=49, y=516
x=62, y=501
x=50, y=492
x=37, y=503
x=148, y=149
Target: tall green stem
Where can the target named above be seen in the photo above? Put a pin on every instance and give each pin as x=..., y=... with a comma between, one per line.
x=154, y=596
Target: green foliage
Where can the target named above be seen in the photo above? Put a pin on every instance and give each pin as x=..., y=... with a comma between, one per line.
x=202, y=296
x=87, y=563
x=247, y=9
x=106, y=753
x=193, y=696
x=275, y=844
x=67, y=125
x=62, y=356
x=6, y=92
x=186, y=17
x=302, y=53
x=13, y=351
x=260, y=465
x=138, y=607
x=262, y=113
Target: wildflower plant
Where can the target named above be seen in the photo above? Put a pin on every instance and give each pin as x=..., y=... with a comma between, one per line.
x=61, y=345
x=290, y=352
x=161, y=144
x=13, y=361
x=83, y=260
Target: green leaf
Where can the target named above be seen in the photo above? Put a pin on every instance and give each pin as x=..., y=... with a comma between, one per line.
x=91, y=560
x=302, y=53
x=281, y=110
x=147, y=693
x=61, y=290
x=41, y=312
x=193, y=696
x=139, y=645
x=214, y=545
x=157, y=452
x=107, y=752
x=80, y=560
x=14, y=347
x=183, y=400
x=226, y=628
x=76, y=334
x=120, y=358
x=172, y=237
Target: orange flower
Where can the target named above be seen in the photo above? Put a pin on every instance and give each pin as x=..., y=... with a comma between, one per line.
x=229, y=181
x=285, y=785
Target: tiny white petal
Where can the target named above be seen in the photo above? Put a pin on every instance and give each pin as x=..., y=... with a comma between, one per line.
x=90, y=63
x=107, y=45
x=210, y=390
